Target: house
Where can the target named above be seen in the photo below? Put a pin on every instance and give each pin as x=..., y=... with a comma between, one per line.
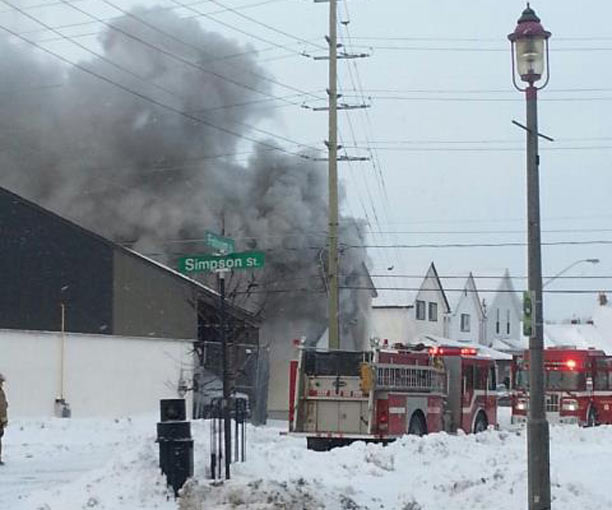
x=504, y=313
x=402, y=315
x=467, y=320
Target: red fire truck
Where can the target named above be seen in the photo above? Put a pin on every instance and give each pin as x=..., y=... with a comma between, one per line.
x=578, y=386
x=337, y=397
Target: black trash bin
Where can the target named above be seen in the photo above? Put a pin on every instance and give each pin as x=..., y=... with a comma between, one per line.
x=175, y=443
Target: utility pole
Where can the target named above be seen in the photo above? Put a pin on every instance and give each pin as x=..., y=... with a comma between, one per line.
x=332, y=159
x=227, y=383
x=227, y=423
x=334, y=316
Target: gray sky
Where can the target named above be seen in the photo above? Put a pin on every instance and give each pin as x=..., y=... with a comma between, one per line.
x=449, y=167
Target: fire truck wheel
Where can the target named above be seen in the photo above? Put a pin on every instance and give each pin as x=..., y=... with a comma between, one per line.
x=592, y=417
x=417, y=426
x=481, y=423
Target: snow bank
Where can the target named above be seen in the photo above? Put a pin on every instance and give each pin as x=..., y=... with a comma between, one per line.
x=482, y=471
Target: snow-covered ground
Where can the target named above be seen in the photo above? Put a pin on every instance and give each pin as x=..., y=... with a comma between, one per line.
x=54, y=464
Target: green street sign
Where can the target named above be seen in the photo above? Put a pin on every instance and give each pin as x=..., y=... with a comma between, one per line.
x=245, y=260
x=527, y=314
x=219, y=243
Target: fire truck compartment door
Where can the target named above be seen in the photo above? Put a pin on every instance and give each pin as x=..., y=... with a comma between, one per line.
x=347, y=417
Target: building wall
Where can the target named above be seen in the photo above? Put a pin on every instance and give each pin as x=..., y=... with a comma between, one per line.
x=148, y=301
x=392, y=323
x=44, y=261
x=504, y=304
x=467, y=305
x=103, y=375
x=430, y=292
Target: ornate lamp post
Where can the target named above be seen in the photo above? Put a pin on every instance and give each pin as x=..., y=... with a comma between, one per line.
x=529, y=43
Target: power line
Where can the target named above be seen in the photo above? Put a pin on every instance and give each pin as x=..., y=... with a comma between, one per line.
x=480, y=245
x=178, y=58
x=148, y=82
x=416, y=289
x=463, y=232
x=269, y=27
x=158, y=8
x=146, y=98
x=454, y=49
x=472, y=39
x=480, y=149
x=485, y=277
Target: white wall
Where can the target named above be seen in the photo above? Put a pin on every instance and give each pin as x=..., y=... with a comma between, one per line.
x=467, y=302
x=104, y=375
x=508, y=303
x=430, y=292
x=392, y=323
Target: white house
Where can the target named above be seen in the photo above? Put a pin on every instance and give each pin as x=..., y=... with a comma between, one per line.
x=467, y=320
x=402, y=315
x=504, y=313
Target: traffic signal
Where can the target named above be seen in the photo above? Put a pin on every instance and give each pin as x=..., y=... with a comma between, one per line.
x=527, y=313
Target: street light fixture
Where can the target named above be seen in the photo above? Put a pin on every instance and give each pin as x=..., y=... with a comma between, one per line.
x=529, y=44
x=573, y=264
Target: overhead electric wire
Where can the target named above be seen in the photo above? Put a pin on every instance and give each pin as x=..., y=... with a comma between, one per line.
x=228, y=25
x=144, y=79
x=269, y=27
x=415, y=289
x=479, y=245
x=112, y=18
x=187, y=62
x=455, y=49
x=356, y=82
x=144, y=97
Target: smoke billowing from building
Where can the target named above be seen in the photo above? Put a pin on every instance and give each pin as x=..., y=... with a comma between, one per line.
x=136, y=172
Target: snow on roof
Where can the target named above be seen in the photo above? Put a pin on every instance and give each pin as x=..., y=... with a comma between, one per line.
x=483, y=350
x=597, y=335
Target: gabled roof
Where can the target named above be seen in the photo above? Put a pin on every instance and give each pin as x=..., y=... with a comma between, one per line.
x=203, y=290
x=401, y=292
x=462, y=286
x=432, y=268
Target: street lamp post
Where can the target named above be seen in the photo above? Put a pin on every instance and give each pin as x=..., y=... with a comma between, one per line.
x=565, y=270
x=529, y=43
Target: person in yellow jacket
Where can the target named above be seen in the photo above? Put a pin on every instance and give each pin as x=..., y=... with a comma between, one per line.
x=3, y=415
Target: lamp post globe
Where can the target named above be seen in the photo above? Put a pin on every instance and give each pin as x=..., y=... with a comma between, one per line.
x=529, y=43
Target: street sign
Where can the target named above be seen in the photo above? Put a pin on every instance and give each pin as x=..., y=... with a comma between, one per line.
x=219, y=243
x=245, y=260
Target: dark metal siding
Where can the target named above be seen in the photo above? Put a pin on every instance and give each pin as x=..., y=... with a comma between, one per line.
x=151, y=301
x=41, y=254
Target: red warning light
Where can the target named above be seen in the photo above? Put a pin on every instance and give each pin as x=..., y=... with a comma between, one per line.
x=571, y=364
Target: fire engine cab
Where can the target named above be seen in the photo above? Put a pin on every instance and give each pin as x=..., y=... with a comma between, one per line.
x=578, y=386
x=336, y=397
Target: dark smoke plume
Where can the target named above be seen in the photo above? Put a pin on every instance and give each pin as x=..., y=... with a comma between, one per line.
x=140, y=174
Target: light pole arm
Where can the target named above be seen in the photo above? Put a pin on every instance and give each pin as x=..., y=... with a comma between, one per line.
x=562, y=272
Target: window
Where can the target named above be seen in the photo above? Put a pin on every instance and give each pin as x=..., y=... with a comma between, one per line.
x=480, y=382
x=468, y=379
x=465, y=322
x=507, y=322
x=601, y=374
x=497, y=322
x=420, y=310
x=492, y=379
x=433, y=312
